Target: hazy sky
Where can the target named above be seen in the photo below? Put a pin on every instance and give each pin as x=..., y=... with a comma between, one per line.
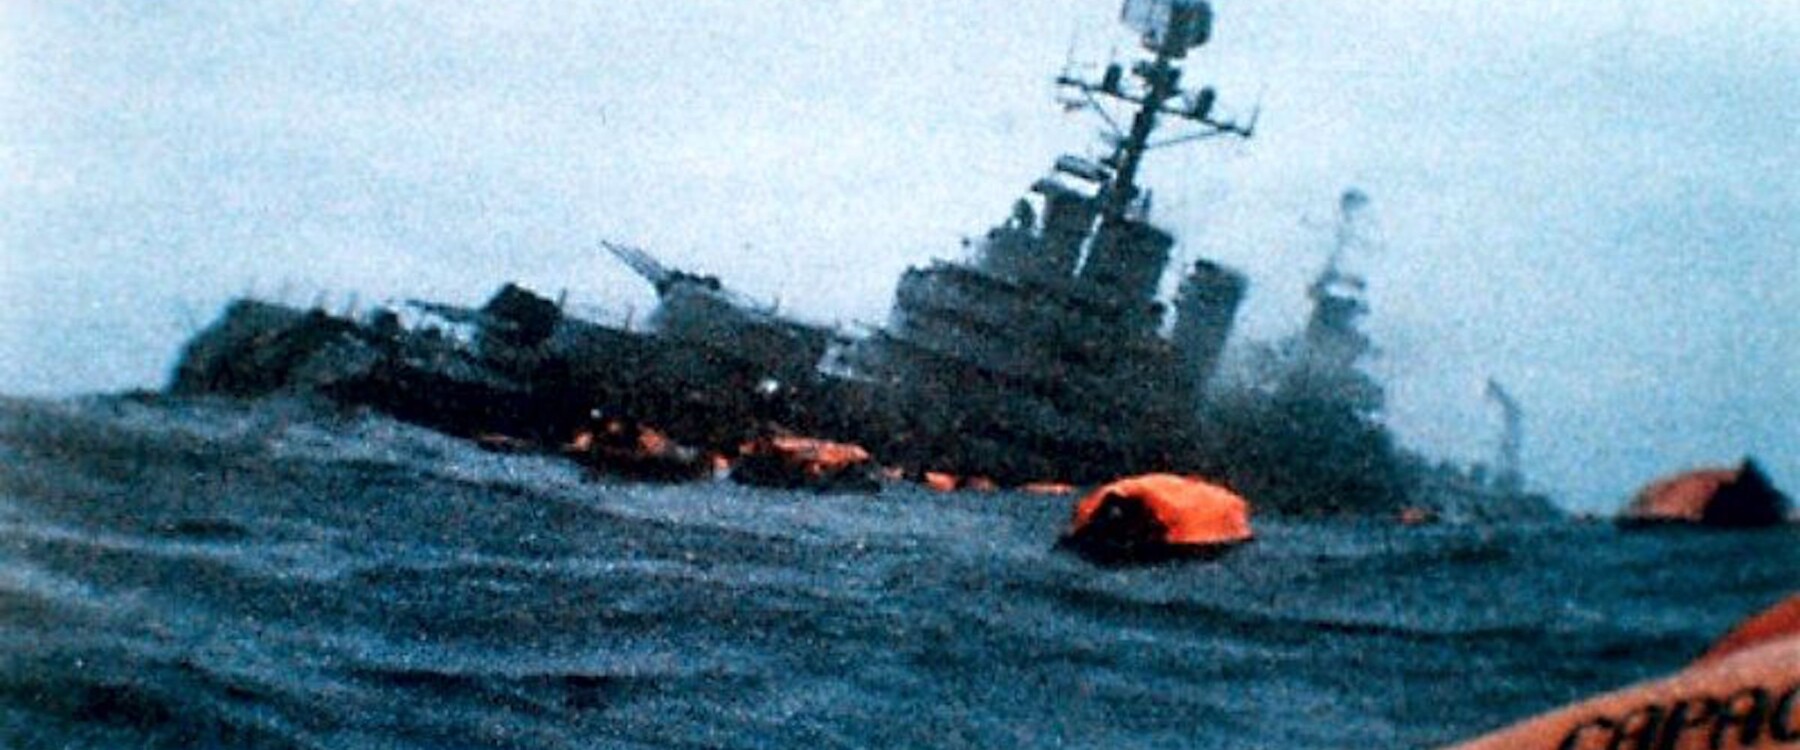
x=1593, y=202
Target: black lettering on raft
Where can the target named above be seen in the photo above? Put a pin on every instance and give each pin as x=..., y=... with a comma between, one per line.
x=1685, y=715
x=1738, y=721
x=1638, y=729
x=1746, y=709
x=1782, y=722
x=1572, y=741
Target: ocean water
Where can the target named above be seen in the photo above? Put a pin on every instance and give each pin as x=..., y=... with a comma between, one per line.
x=206, y=574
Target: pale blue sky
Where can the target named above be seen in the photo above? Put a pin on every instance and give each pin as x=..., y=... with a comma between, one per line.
x=1594, y=202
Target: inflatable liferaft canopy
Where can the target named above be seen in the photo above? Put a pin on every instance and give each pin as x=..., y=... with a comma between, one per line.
x=1738, y=497
x=1742, y=695
x=1156, y=517
x=1772, y=624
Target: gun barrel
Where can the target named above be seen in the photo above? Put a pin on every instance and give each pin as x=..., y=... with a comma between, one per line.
x=639, y=261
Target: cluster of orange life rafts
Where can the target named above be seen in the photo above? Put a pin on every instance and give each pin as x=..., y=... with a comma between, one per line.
x=1744, y=693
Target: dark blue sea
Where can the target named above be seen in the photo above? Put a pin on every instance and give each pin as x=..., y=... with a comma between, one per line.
x=208, y=574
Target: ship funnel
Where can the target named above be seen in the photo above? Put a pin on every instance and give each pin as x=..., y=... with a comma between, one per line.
x=1205, y=307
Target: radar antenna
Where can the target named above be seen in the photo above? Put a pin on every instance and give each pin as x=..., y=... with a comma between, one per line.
x=1350, y=204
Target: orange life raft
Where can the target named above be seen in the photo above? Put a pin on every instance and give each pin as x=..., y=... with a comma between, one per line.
x=1156, y=517
x=1739, y=497
x=637, y=451
x=1773, y=624
x=1741, y=695
x=793, y=461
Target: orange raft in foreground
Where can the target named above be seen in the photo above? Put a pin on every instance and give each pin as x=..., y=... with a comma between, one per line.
x=1743, y=694
x=1157, y=517
x=1733, y=498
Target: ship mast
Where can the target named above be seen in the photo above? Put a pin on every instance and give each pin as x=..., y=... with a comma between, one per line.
x=1170, y=28
x=1510, y=476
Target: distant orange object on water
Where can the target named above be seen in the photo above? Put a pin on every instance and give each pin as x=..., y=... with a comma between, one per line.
x=1416, y=516
x=1155, y=517
x=940, y=481
x=792, y=461
x=825, y=453
x=1714, y=497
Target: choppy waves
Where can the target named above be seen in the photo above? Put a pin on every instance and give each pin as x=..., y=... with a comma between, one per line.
x=194, y=574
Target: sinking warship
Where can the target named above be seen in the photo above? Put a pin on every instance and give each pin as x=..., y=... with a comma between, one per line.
x=1045, y=355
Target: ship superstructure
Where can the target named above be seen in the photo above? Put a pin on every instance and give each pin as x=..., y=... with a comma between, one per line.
x=1044, y=353
x=1333, y=347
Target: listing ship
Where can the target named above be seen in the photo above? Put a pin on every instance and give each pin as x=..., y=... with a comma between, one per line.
x=1047, y=355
